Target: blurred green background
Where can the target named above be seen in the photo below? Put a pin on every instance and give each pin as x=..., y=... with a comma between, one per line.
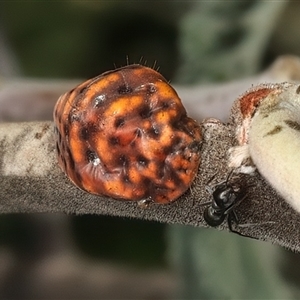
x=190, y=42
x=86, y=38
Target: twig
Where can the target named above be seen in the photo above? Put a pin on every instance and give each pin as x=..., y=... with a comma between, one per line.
x=31, y=181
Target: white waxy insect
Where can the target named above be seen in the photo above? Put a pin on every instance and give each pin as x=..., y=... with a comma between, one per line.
x=269, y=134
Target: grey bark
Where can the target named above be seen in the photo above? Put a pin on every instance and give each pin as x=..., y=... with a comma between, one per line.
x=32, y=182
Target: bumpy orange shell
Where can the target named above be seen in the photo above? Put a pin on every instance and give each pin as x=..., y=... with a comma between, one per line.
x=125, y=134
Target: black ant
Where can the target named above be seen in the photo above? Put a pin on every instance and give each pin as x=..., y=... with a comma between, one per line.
x=225, y=198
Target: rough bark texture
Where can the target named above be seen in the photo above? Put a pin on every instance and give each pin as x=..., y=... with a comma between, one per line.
x=31, y=181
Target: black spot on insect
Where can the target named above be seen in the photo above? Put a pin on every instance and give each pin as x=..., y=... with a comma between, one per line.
x=114, y=140
x=166, y=105
x=293, y=124
x=91, y=156
x=124, y=162
x=154, y=132
x=142, y=161
x=145, y=112
x=123, y=159
x=146, y=182
x=195, y=147
x=124, y=89
x=84, y=134
x=151, y=89
x=119, y=122
x=161, y=168
x=126, y=178
x=298, y=90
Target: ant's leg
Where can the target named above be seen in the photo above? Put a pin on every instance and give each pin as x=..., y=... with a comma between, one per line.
x=205, y=203
x=249, y=224
x=233, y=217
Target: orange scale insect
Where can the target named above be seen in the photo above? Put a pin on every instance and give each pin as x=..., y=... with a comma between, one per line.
x=125, y=134
x=148, y=169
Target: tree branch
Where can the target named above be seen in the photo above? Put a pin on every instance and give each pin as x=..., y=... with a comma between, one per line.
x=31, y=181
